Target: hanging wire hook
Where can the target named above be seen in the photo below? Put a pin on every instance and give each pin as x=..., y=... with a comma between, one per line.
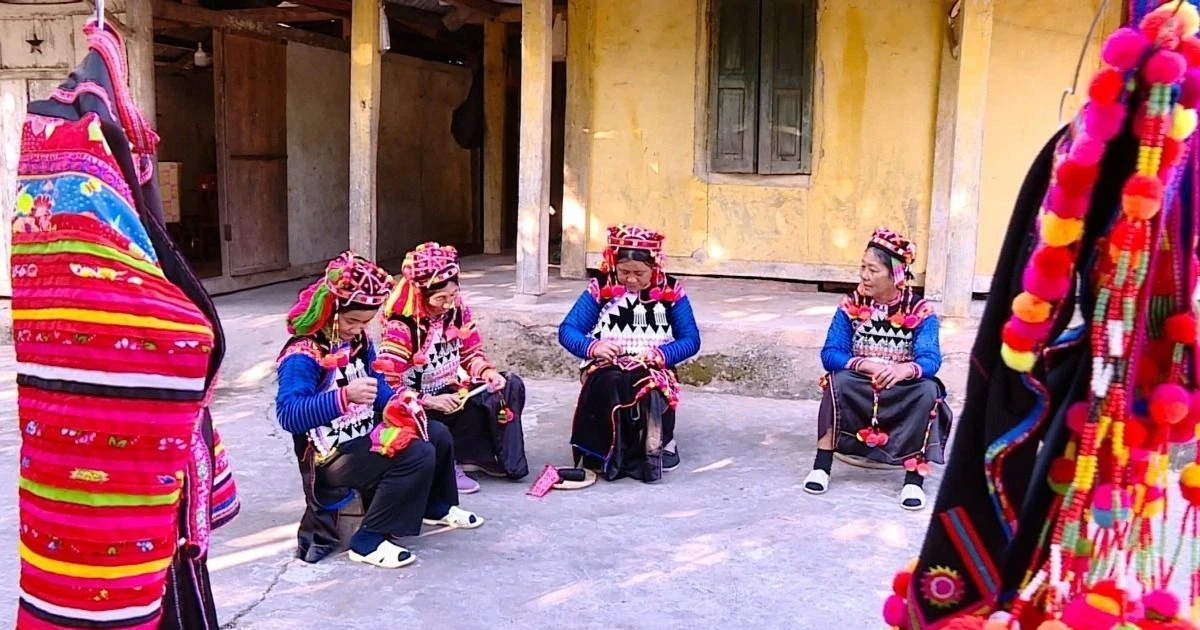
x=1087, y=40
x=99, y=4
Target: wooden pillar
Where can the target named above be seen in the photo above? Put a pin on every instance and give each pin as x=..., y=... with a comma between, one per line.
x=533, y=210
x=963, y=221
x=577, y=152
x=495, y=96
x=139, y=48
x=13, y=101
x=937, y=257
x=365, y=73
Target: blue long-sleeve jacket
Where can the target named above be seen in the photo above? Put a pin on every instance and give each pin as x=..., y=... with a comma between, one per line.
x=839, y=345
x=575, y=331
x=302, y=404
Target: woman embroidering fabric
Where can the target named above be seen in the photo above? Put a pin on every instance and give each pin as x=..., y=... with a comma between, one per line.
x=432, y=347
x=631, y=327
x=352, y=432
x=882, y=400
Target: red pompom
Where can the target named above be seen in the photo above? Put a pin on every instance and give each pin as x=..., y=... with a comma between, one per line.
x=1076, y=179
x=1189, y=92
x=1182, y=432
x=1135, y=433
x=1139, y=185
x=1052, y=261
x=967, y=622
x=1106, y=86
x=1164, y=67
x=1169, y=403
x=1103, y=121
x=1124, y=48
x=1189, y=47
x=894, y=610
x=1172, y=150
x=901, y=582
x=1148, y=373
x=1049, y=287
x=1015, y=340
x=1160, y=28
x=1181, y=328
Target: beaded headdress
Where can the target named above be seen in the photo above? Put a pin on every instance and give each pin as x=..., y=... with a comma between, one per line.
x=632, y=237
x=427, y=265
x=901, y=251
x=349, y=280
x=1073, y=532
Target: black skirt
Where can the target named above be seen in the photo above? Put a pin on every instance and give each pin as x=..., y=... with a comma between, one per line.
x=481, y=437
x=913, y=414
x=618, y=434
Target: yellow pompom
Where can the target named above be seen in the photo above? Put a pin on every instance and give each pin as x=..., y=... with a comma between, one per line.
x=1060, y=232
x=1186, y=14
x=1018, y=361
x=1190, y=476
x=1183, y=123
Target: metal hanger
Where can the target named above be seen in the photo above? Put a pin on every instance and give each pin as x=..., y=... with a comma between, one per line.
x=1087, y=41
x=100, y=14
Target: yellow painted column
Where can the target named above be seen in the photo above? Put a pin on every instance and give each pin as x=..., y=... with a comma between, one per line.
x=495, y=95
x=533, y=209
x=365, y=75
x=963, y=221
x=577, y=153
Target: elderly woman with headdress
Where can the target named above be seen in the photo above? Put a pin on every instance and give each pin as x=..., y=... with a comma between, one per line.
x=432, y=347
x=882, y=401
x=631, y=327
x=352, y=432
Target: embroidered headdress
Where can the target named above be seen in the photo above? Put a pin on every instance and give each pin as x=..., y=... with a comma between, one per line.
x=901, y=251
x=632, y=237
x=427, y=265
x=349, y=280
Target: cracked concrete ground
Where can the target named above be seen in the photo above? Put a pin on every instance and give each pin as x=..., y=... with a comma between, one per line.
x=728, y=540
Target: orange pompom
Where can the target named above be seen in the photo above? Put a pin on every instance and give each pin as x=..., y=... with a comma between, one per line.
x=1030, y=308
x=1189, y=483
x=1140, y=208
x=1139, y=185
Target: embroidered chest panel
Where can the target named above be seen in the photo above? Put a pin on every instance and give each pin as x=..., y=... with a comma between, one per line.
x=443, y=362
x=638, y=327
x=358, y=419
x=880, y=338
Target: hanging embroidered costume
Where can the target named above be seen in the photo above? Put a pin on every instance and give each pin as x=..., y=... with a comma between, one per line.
x=908, y=423
x=625, y=417
x=379, y=449
x=122, y=475
x=1057, y=515
x=443, y=354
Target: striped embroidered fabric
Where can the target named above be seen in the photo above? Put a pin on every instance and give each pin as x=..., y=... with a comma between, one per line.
x=112, y=373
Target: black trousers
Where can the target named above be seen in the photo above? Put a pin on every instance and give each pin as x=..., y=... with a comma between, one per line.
x=416, y=483
x=480, y=438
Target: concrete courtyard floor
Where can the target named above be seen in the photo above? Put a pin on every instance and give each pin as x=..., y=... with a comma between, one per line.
x=728, y=540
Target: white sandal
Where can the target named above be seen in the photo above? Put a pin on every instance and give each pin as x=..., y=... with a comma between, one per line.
x=386, y=556
x=457, y=518
x=817, y=482
x=912, y=497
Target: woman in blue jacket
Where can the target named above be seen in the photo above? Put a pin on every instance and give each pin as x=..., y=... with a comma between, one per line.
x=631, y=327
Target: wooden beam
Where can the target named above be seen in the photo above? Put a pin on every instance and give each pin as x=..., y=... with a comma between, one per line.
x=963, y=221
x=495, y=95
x=533, y=210
x=275, y=15
x=938, y=258
x=577, y=150
x=513, y=14
x=169, y=11
x=139, y=48
x=365, y=74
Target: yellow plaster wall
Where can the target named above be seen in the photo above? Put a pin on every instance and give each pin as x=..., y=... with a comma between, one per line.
x=875, y=113
x=1035, y=48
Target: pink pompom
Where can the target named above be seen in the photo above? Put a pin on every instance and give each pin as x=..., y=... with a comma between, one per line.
x=1169, y=403
x=1124, y=48
x=1161, y=605
x=1048, y=287
x=1165, y=67
x=1087, y=150
x=1026, y=330
x=656, y=294
x=1077, y=416
x=1189, y=93
x=894, y=610
x=1103, y=120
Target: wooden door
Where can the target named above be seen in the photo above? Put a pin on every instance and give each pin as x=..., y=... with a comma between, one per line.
x=252, y=152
